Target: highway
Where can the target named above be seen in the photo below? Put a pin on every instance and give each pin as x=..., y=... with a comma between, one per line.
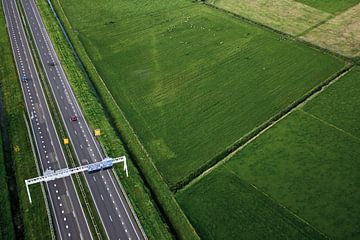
x=67, y=213
x=111, y=203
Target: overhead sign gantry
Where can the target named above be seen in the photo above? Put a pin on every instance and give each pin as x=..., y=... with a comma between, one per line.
x=50, y=175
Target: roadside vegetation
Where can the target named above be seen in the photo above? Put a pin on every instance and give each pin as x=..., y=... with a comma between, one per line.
x=307, y=166
x=6, y=220
x=31, y=219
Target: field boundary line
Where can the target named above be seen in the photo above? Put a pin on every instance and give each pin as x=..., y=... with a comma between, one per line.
x=287, y=35
x=315, y=26
x=258, y=131
x=276, y=203
x=329, y=124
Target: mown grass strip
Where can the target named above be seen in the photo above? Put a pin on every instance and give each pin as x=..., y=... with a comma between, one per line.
x=31, y=220
x=286, y=35
x=139, y=195
x=285, y=15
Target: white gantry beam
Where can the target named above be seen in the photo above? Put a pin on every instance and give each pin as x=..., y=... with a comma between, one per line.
x=50, y=175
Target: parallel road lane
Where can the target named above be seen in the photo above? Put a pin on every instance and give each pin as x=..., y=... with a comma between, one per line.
x=68, y=215
x=112, y=206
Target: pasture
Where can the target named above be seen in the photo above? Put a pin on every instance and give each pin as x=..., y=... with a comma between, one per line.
x=332, y=6
x=287, y=16
x=338, y=105
x=224, y=206
x=340, y=34
x=333, y=24
x=307, y=165
x=192, y=80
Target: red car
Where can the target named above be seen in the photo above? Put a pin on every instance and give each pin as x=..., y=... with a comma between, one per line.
x=73, y=118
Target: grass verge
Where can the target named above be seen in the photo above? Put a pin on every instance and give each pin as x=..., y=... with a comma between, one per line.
x=6, y=221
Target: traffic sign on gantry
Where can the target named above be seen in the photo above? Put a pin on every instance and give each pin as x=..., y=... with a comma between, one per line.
x=50, y=175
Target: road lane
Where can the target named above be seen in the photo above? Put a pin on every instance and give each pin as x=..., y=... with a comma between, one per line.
x=67, y=213
x=112, y=206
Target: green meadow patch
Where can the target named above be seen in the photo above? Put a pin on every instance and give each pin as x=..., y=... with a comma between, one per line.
x=339, y=104
x=307, y=166
x=192, y=80
x=223, y=206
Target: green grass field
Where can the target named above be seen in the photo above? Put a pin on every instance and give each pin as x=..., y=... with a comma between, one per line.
x=192, y=80
x=338, y=105
x=307, y=165
x=31, y=220
x=6, y=222
x=223, y=206
x=331, y=6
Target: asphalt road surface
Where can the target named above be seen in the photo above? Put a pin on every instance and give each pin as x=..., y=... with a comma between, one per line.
x=67, y=213
x=112, y=206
